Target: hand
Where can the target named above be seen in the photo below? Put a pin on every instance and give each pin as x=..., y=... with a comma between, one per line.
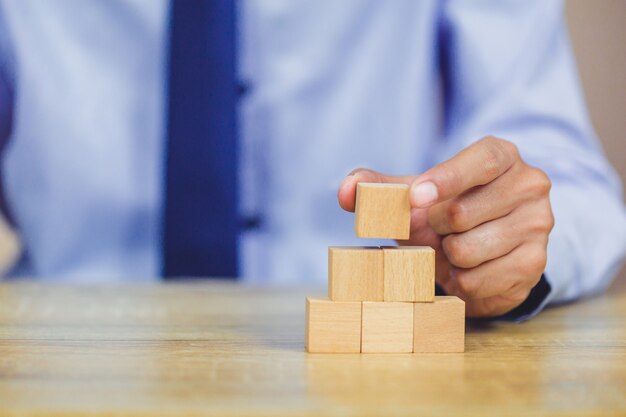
x=486, y=213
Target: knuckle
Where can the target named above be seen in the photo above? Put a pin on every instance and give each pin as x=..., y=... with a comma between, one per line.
x=542, y=223
x=467, y=285
x=535, y=262
x=490, y=140
x=550, y=221
x=540, y=183
x=452, y=177
x=457, y=216
x=517, y=297
x=492, y=162
x=496, y=154
x=512, y=149
x=457, y=251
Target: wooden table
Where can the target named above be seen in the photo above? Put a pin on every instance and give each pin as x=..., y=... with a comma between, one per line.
x=223, y=349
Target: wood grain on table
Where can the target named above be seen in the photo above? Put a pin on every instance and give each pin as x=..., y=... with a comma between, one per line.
x=224, y=349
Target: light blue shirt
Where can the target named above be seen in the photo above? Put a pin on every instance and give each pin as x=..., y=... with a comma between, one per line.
x=335, y=85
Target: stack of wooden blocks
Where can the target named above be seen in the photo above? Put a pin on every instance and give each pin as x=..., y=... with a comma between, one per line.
x=382, y=299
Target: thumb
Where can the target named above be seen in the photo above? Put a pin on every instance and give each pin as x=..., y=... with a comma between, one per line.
x=347, y=190
x=478, y=164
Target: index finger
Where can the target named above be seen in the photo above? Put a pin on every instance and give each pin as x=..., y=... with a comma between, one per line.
x=478, y=164
x=347, y=190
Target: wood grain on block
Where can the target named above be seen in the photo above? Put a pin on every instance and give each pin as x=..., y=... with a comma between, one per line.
x=332, y=326
x=382, y=211
x=440, y=325
x=355, y=273
x=409, y=273
x=387, y=327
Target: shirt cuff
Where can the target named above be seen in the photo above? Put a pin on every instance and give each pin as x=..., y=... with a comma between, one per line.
x=534, y=303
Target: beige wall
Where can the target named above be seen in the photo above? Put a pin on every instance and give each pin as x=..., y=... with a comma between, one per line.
x=598, y=32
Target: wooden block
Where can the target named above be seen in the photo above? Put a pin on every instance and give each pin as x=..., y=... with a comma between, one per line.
x=387, y=327
x=409, y=273
x=332, y=326
x=355, y=273
x=440, y=325
x=382, y=211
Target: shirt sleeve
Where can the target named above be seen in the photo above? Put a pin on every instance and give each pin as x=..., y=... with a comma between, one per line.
x=508, y=71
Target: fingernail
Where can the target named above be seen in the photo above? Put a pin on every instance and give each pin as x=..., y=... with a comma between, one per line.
x=425, y=194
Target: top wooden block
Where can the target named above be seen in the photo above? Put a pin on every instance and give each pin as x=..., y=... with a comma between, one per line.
x=382, y=211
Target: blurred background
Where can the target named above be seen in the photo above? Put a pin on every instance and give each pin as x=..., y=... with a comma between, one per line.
x=598, y=36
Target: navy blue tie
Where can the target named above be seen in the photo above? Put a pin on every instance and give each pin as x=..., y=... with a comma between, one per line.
x=200, y=215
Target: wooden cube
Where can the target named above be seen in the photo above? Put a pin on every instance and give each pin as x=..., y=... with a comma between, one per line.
x=332, y=326
x=387, y=327
x=382, y=211
x=440, y=325
x=355, y=273
x=409, y=273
